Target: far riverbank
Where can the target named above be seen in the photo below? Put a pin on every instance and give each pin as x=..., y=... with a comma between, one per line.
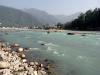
x=50, y=30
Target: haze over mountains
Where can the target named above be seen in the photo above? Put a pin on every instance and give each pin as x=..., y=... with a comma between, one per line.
x=46, y=18
x=42, y=16
x=64, y=18
x=11, y=16
x=14, y=17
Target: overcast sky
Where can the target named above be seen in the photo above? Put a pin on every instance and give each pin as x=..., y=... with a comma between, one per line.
x=64, y=7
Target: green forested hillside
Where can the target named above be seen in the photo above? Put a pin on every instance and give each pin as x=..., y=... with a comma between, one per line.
x=15, y=17
x=86, y=21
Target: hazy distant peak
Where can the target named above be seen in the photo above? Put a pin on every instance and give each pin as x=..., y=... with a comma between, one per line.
x=42, y=16
x=31, y=16
x=34, y=10
x=45, y=17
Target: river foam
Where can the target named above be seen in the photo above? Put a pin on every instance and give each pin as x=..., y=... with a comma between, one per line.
x=50, y=44
x=41, y=42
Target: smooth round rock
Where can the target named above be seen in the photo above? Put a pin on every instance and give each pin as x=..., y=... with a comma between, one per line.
x=23, y=56
x=32, y=63
x=20, y=49
x=24, y=60
x=36, y=63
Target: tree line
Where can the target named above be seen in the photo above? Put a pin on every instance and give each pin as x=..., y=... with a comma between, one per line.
x=89, y=21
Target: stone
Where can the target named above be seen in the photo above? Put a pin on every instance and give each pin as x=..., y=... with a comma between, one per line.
x=42, y=72
x=16, y=45
x=23, y=56
x=32, y=63
x=22, y=73
x=5, y=72
x=8, y=49
x=4, y=65
x=15, y=63
x=20, y=49
x=31, y=70
x=24, y=60
x=36, y=63
x=41, y=65
x=35, y=72
x=70, y=33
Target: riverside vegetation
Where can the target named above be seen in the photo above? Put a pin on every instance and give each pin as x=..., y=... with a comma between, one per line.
x=89, y=21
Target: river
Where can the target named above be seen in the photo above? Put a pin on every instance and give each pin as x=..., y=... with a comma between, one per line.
x=72, y=54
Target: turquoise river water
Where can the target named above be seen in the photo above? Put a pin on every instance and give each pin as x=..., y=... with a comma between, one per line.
x=73, y=54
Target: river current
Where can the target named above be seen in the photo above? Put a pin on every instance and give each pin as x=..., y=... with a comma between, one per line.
x=72, y=54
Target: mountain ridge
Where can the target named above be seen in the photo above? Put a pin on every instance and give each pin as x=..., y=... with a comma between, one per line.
x=11, y=16
x=52, y=18
x=42, y=16
x=28, y=17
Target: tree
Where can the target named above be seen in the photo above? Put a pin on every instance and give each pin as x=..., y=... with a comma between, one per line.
x=87, y=21
x=59, y=26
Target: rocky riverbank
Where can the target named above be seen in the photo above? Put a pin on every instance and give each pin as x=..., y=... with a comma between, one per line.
x=15, y=62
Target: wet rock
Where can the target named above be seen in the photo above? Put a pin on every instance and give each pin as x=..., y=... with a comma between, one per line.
x=48, y=32
x=26, y=48
x=70, y=34
x=83, y=35
x=43, y=44
x=46, y=60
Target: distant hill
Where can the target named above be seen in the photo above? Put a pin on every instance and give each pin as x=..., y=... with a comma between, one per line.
x=46, y=18
x=29, y=17
x=14, y=17
x=42, y=16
